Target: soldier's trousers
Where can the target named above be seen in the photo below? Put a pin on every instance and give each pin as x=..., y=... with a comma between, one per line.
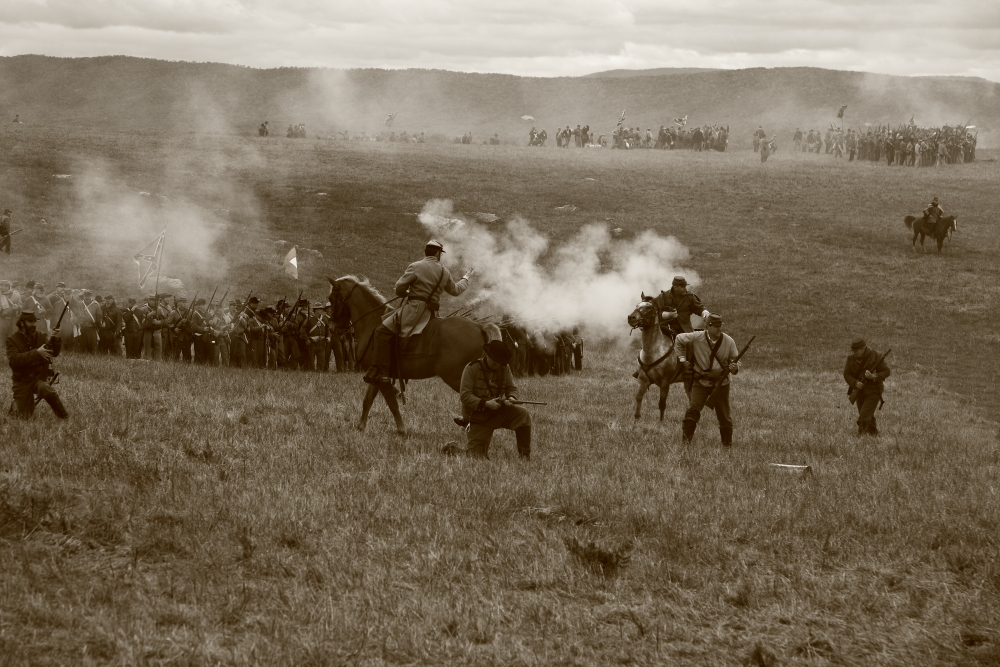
x=696, y=403
x=255, y=353
x=513, y=417
x=867, y=403
x=318, y=353
x=88, y=340
x=133, y=344
x=5, y=244
x=238, y=352
x=152, y=346
x=106, y=344
x=24, y=398
x=223, y=351
x=578, y=356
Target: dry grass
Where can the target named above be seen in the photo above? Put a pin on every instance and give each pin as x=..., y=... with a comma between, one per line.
x=205, y=516
x=175, y=519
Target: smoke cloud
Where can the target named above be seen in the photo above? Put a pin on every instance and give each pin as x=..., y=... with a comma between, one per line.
x=592, y=280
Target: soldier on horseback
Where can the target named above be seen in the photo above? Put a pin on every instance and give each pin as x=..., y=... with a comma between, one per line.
x=682, y=303
x=933, y=211
x=420, y=288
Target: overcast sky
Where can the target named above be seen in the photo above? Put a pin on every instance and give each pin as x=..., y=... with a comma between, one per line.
x=536, y=38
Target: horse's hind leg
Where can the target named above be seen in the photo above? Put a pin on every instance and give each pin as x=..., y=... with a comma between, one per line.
x=389, y=394
x=664, y=391
x=366, y=406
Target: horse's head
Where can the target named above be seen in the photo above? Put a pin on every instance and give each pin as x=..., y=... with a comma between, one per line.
x=340, y=294
x=644, y=315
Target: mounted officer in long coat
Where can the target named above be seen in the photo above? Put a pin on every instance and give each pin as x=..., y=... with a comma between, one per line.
x=420, y=287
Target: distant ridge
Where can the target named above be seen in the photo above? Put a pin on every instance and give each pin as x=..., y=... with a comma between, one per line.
x=658, y=71
x=134, y=93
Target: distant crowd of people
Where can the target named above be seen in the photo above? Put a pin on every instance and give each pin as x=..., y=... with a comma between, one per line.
x=908, y=145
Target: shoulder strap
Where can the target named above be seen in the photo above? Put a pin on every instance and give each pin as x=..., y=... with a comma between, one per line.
x=714, y=351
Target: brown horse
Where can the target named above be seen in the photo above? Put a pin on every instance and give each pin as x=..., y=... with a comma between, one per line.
x=457, y=342
x=938, y=231
x=657, y=360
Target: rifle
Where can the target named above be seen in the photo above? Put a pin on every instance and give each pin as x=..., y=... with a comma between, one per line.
x=461, y=421
x=293, y=309
x=212, y=299
x=223, y=299
x=59, y=321
x=854, y=391
x=14, y=232
x=186, y=315
x=709, y=403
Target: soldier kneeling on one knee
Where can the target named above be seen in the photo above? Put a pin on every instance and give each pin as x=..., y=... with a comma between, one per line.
x=30, y=355
x=486, y=393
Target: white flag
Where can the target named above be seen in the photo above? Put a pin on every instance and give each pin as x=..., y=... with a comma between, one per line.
x=292, y=264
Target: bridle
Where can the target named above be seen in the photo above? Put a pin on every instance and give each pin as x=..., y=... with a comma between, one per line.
x=642, y=324
x=342, y=302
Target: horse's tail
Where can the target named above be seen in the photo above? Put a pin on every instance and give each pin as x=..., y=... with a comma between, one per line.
x=491, y=332
x=909, y=220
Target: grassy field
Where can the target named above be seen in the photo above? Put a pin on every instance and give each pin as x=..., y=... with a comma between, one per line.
x=204, y=516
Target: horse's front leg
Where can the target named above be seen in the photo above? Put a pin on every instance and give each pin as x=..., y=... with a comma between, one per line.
x=389, y=393
x=643, y=387
x=366, y=406
x=664, y=391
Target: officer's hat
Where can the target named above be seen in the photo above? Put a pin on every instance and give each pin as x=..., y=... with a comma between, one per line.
x=679, y=281
x=434, y=245
x=497, y=351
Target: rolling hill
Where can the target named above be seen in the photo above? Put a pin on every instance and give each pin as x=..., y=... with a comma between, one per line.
x=135, y=93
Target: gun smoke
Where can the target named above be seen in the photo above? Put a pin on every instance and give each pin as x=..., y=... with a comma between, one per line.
x=592, y=280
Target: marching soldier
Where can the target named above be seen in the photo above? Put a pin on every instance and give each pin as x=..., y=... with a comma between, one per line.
x=315, y=334
x=255, y=334
x=30, y=357
x=865, y=373
x=420, y=286
x=706, y=355
x=486, y=393
x=681, y=301
x=238, y=341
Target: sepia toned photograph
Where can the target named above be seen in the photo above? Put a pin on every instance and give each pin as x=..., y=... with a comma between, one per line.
x=466, y=333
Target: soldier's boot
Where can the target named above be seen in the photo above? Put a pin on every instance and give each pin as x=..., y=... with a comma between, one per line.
x=687, y=430
x=872, y=430
x=523, y=435
x=727, y=436
x=56, y=405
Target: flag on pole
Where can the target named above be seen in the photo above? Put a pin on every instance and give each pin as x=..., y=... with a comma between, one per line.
x=148, y=259
x=840, y=114
x=292, y=264
x=392, y=117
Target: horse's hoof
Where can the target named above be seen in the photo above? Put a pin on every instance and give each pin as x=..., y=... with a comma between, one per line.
x=401, y=431
x=360, y=426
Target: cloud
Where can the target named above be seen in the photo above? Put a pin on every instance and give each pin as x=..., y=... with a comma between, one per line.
x=560, y=38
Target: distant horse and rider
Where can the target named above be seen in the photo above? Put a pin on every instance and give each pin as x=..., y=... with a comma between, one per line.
x=938, y=230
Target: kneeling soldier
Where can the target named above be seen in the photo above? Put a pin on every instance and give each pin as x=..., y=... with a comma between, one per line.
x=486, y=391
x=707, y=355
x=30, y=358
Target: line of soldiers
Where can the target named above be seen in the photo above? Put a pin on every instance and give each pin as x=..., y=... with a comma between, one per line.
x=698, y=138
x=909, y=146
x=541, y=351
x=166, y=328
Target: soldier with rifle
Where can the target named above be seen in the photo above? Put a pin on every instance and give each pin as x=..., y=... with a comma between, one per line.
x=5, y=232
x=865, y=373
x=709, y=357
x=30, y=355
x=489, y=401
x=153, y=317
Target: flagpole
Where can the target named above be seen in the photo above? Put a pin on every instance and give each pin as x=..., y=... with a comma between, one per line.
x=159, y=265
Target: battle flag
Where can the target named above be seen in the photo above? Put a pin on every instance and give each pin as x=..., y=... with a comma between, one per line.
x=840, y=114
x=392, y=117
x=681, y=121
x=292, y=264
x=148, y=259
